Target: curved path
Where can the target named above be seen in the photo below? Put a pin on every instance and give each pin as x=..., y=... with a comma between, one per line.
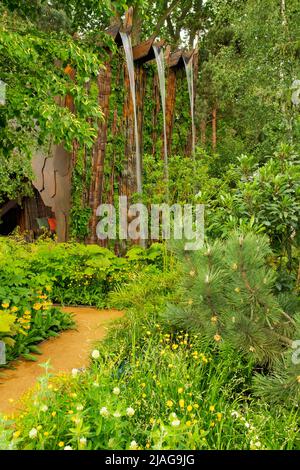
x=69, y=350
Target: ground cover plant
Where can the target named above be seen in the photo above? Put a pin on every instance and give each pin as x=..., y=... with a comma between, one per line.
x=34, y=276
x=157, y=384
x=77, y=274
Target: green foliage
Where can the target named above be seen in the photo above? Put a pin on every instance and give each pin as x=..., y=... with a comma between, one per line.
x=77, y=274
x=32, y=66
x=260, y=197
x=228, y=298
x=282, y=384
x=250, y=53
x=28, y=320
x=152, y=387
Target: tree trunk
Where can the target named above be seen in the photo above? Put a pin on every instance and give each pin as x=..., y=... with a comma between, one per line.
x=214, y=129
x=203, y=132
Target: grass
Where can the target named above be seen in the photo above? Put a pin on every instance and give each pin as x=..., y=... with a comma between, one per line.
x=152, y=387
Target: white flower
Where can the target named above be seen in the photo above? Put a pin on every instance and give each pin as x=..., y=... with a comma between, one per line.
x=117, y=414
x=95, y=354
x=175, y=423
x=33, y=433
x=247, y=425
x=133, y=445
x=130, y=411
x=82, y=441
x=74, y=372
x=79, y=407
x=173, y=415
x=235, y=414
x=257, y=444
x=44, y=408
x=68, y=448
x=104, y=411
x=96, y=384
x=116, y=391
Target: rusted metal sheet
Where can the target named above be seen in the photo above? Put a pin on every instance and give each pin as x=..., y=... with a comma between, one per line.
x=144, y=52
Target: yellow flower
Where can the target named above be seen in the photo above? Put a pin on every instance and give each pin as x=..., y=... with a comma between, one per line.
x=190, y=301
x=237, y=290
x=188, y=423
x=189, y=407
x=214, y=319
x=298, y=379
x=14, y=309
x=181, y=403
x=53, y=413
x=147, y=445
x=212, y=424
x=46, y=433
x=219, y=416
x=16, y=434
x=70, y=412
x=174, y=346
x=212, y=408
x=143, y=385
x=37, y=306
x=61, y=444
x=217, y=337
x=152, y=420
x=169, y=403
x=5, y=305
x=192, y=273
x=180, y=390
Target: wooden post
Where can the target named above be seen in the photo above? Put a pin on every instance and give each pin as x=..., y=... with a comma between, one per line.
x=140, y=86
x=170, y=106
x=96, y=189
x=156, y=109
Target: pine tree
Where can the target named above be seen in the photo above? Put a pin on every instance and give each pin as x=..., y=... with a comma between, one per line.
x=282, y=385
x=228, y=297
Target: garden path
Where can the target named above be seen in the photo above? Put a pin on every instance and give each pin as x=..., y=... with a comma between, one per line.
x=69, y=350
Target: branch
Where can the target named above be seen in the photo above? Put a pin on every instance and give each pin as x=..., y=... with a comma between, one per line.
x=166, y=15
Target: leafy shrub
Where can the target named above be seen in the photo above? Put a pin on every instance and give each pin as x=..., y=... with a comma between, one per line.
x=28, y=320
x=78, y=274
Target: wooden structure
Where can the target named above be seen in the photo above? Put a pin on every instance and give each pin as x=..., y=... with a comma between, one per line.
x=54, y=171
